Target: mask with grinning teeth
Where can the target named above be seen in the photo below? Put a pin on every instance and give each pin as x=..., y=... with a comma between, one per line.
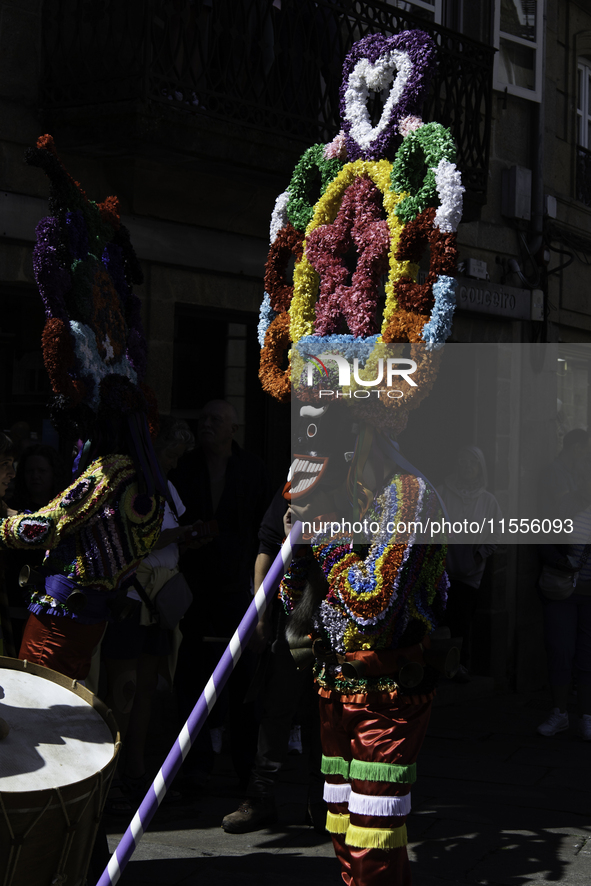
x=323, y=444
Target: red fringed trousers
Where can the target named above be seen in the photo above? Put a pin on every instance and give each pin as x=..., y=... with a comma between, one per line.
x=369, y=760
x=60, y=643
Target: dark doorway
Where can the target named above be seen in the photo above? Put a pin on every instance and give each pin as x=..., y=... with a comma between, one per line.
x=216, y=356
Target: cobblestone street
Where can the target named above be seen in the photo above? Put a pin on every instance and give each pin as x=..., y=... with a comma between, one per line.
x=494, y=804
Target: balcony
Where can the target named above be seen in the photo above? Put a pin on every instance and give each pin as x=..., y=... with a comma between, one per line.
x=584, y=175
x=259, y=65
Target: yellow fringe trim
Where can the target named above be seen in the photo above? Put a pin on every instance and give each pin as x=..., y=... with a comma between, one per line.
x=376, y=838
x=337, y=824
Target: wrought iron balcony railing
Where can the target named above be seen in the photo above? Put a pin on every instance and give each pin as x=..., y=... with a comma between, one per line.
x=584, y=175
x=270, y=64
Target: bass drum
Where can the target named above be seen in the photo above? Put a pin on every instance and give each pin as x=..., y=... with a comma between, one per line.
x=58, y=756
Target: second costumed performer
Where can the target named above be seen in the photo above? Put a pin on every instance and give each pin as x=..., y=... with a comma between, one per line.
x=102, y=526
x=368, y=601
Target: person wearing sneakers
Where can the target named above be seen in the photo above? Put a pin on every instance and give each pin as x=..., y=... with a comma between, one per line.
x=567, y=622
x=283, y=685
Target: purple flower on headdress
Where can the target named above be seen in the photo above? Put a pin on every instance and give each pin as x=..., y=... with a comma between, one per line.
x=53, y=279
x=77, y=234
x=112, y=259
x=403, y=64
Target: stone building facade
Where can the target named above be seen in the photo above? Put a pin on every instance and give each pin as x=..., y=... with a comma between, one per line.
x=195, y=114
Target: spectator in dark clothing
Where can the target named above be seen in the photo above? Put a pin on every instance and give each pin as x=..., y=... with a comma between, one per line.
x=8, y=644
x=560, y=479
x=39, y=477
x=282, y=688
x=218, y=481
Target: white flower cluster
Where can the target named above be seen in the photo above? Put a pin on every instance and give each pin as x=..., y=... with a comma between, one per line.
x=334, y=623
x=378, y=76
x=451, y=195
x=86, y=350
x=278, y=216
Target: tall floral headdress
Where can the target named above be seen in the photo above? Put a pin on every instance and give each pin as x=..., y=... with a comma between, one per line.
x=389, y=191
x=94, y=348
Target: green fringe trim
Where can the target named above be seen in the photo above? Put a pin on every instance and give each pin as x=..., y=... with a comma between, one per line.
x=337, y=823
x=335, y=766
x=376, y=838
x=362, y=771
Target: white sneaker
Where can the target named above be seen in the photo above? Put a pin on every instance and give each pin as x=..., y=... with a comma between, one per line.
x=556, y=722
x=294, y=745
x=584, y=727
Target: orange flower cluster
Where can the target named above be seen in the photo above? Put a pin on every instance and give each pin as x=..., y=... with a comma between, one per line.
x=274, y=380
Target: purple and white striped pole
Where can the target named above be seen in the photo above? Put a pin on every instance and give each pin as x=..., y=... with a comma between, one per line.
x=198, y=716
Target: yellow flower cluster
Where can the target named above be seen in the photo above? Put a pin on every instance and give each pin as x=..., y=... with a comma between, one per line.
x=305, y=278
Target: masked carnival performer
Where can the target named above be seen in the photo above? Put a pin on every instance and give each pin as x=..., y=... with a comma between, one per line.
x=367, y=597
x=98, y=530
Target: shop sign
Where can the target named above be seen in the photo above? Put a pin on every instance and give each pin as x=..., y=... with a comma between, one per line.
x=484, y=297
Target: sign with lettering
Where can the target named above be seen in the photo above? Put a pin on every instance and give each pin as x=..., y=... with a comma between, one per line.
x=492, y=298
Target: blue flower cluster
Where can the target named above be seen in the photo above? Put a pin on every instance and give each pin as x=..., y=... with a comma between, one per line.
x=438, y=329
x=266, y=317
x=347, y=346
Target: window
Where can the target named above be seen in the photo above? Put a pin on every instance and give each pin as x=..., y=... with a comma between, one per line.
x=518, y=37
x=584, y=104
x=427, y=9
x=583, y=137
x=470, y=17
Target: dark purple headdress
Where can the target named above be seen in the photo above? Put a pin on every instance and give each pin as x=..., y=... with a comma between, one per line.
x=94, y=348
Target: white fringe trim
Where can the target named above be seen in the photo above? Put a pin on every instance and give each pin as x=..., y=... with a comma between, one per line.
x=363, y=804
x=336, y=793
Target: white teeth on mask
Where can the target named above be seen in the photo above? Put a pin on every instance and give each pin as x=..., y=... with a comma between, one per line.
x=302, y=466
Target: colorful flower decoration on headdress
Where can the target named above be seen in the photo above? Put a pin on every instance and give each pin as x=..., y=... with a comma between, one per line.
x=402, y=66
x=94, y=347
x=388, y=193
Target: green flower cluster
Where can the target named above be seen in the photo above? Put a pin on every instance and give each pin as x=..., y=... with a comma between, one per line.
x=414, y=168
x=312, y=164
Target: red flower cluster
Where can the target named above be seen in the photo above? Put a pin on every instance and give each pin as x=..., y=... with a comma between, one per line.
x=358, y=225
x=58, y=356
x=287, y=243
x=414, y=239
x=109, y=211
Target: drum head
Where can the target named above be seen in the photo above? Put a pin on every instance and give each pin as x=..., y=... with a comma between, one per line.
x=56, y=736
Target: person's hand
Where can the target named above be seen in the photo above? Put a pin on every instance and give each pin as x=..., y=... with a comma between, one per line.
x=261, y=636
x=311, y=507
x=194, y=539
x=287, y=521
